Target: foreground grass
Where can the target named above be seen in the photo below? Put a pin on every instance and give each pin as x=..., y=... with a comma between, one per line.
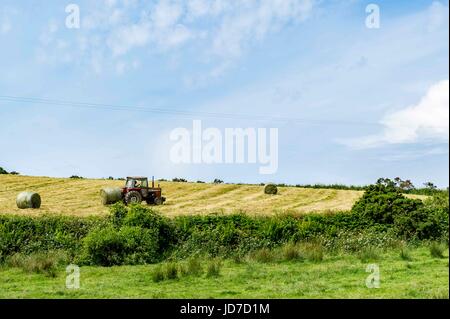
x=336, y=276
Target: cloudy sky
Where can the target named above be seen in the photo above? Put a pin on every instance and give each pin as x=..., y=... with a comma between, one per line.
x=351, y=103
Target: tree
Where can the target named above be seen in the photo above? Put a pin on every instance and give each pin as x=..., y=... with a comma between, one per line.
x=2, y=171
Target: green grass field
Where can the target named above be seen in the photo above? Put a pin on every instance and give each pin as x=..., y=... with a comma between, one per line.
x=336, y=276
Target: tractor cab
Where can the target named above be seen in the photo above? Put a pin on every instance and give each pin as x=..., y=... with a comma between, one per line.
x=137, y=189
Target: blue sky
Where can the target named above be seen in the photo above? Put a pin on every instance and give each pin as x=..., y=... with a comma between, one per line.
x=374, y=102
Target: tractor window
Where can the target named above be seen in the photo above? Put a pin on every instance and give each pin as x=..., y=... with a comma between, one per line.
x=130, y=183
x=144, y=184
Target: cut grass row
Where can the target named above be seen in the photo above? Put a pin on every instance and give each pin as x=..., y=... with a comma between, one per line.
x=81, y=197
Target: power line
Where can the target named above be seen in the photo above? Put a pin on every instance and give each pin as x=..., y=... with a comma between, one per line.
x=178, y=112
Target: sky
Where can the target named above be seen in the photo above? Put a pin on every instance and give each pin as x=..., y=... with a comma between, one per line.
x=351, y=102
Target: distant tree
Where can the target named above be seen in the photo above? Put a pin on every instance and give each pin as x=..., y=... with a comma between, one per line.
x=200, y=182
x=76, y=177
x=111, y=178
x=14, y=173
x=179, y=180
x=218, y=181
x=2, y=171
x=430, y=186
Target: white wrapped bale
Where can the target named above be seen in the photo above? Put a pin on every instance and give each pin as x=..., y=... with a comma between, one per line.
x=111, y=195
x=28, y=200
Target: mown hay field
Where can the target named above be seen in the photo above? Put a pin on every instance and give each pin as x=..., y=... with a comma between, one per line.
x=81, y=197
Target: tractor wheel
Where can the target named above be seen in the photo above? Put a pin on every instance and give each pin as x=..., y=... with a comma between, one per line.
x=133, y=197
x=158, y=201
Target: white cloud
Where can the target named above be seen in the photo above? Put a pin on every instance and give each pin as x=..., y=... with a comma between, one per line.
x=425, y=121
x=128, y=37
x=251, y=21
x=220, y=30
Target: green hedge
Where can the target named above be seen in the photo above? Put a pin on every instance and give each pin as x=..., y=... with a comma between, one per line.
x=138, y=235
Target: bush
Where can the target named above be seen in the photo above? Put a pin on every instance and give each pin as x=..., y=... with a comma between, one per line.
x=383, y=203
x=270, y=189
x=3, y=171
x=104, y=247
x=218, y=181
x=129, y=245
x=179, y=180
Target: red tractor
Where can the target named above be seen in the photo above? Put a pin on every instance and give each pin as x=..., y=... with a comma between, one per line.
x=136, y=190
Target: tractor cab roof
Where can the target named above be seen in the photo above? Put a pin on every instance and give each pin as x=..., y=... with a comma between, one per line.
x=137, y=177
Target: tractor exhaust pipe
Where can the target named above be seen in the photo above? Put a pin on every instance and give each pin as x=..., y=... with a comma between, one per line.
x=153, y=181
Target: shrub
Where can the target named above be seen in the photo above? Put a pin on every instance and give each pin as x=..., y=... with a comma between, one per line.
x=3, y=171
x=117, y=214
x=14, y=173
x=270, y=189
x=129, y=245
x=76, y=177
x=383, y=203
x=104, y=247
x=179, y=180
x=213, y=268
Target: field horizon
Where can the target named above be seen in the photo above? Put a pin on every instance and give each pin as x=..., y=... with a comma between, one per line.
x=81, y=197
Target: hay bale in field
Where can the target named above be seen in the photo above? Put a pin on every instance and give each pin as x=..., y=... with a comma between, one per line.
x=28, y=200
x=111, y=195
x=270, y=189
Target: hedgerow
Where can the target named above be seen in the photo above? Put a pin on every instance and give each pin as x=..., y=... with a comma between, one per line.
x=139, y=235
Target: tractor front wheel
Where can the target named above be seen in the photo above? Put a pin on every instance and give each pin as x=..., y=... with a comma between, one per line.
x=158, y=201
x=133, y=197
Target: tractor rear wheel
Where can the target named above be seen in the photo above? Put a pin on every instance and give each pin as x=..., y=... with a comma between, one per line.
x=133, y=197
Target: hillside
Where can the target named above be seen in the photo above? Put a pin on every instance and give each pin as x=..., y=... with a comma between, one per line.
x=81, y=197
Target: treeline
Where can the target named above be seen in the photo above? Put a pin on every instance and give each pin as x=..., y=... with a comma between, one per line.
x=4, y=172
x=138, y=235
x=404, y=186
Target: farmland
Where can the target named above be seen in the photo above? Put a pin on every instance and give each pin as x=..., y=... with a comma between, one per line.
x=80, y=197
x=321, y=249
x=337, y=276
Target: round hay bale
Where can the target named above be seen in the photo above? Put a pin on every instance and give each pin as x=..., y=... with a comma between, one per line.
x=28, y=200
x=270, y=189
x=111, y=195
